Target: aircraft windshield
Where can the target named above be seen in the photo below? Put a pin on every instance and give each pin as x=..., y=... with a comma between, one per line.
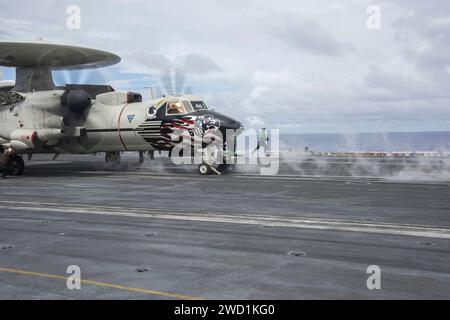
x=187, y=106
x=198, y=105
x=175, y=107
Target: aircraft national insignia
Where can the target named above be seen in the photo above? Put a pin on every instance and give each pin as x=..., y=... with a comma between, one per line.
x=151, y=112
x=130, y=117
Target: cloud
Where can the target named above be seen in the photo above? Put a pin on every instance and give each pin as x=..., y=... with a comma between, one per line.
x=197, y=63
x=173, y=73
x=156, y=63
x=298, y=65
x=253, y=122
x=146, y=63
x=426, y=41
x=307, y=35
x=419, y=70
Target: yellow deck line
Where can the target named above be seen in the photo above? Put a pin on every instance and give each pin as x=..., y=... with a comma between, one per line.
x=102, y=284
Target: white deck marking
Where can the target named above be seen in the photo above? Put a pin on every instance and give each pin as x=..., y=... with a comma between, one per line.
x=247, y=219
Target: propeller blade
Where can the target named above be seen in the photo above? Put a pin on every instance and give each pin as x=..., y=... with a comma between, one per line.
x=180, y=78
x=167, y=83
x=83, y=76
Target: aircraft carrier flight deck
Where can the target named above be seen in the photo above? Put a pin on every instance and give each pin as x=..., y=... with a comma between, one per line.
x=160, y=231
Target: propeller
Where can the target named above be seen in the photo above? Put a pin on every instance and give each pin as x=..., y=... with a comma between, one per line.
x=81, y=76
x=176, y=75
x=171, y=81
x=174, y=81
x=169, y=76
x=182, y=69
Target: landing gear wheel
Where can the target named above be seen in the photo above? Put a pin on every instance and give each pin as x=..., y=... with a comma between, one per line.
x=112, y=160
x=204, y=169
x=112, y=157
x=16, y=166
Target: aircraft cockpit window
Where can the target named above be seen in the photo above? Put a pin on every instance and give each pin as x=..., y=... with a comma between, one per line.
x=7, y=97
x=175, y=108
x=187, y=106
x=198, y=105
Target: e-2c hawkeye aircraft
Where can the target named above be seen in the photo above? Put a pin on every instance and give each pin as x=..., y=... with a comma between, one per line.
x=38, y=117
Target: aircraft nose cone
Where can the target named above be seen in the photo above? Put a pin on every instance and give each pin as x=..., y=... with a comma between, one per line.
x=233, y=124
x=227, y=123
x=236, y=125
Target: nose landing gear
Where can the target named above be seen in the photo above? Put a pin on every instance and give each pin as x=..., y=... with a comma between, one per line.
x=204, y=169
x=219, y=159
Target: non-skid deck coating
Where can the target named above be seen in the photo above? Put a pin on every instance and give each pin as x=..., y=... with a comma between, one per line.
x=159, y=231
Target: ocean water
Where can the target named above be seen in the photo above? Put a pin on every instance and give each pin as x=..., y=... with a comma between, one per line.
x=394, y=141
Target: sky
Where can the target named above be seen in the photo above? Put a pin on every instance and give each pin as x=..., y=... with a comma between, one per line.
x=318, y=66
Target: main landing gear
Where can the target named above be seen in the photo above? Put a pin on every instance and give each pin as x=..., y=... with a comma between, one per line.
x=15, y=167
x=112, y=160
x=150, y=156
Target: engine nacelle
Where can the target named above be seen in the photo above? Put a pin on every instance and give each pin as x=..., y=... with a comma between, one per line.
x=18, y=145
x=76, y=100
x=50, y=137
x=22, y=139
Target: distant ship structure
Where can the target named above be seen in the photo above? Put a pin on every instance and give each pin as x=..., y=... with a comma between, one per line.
x=380, y=154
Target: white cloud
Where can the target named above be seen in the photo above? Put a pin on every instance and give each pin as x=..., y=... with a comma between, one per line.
x=307, y=35
x=253, y=122
x=299, y=65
